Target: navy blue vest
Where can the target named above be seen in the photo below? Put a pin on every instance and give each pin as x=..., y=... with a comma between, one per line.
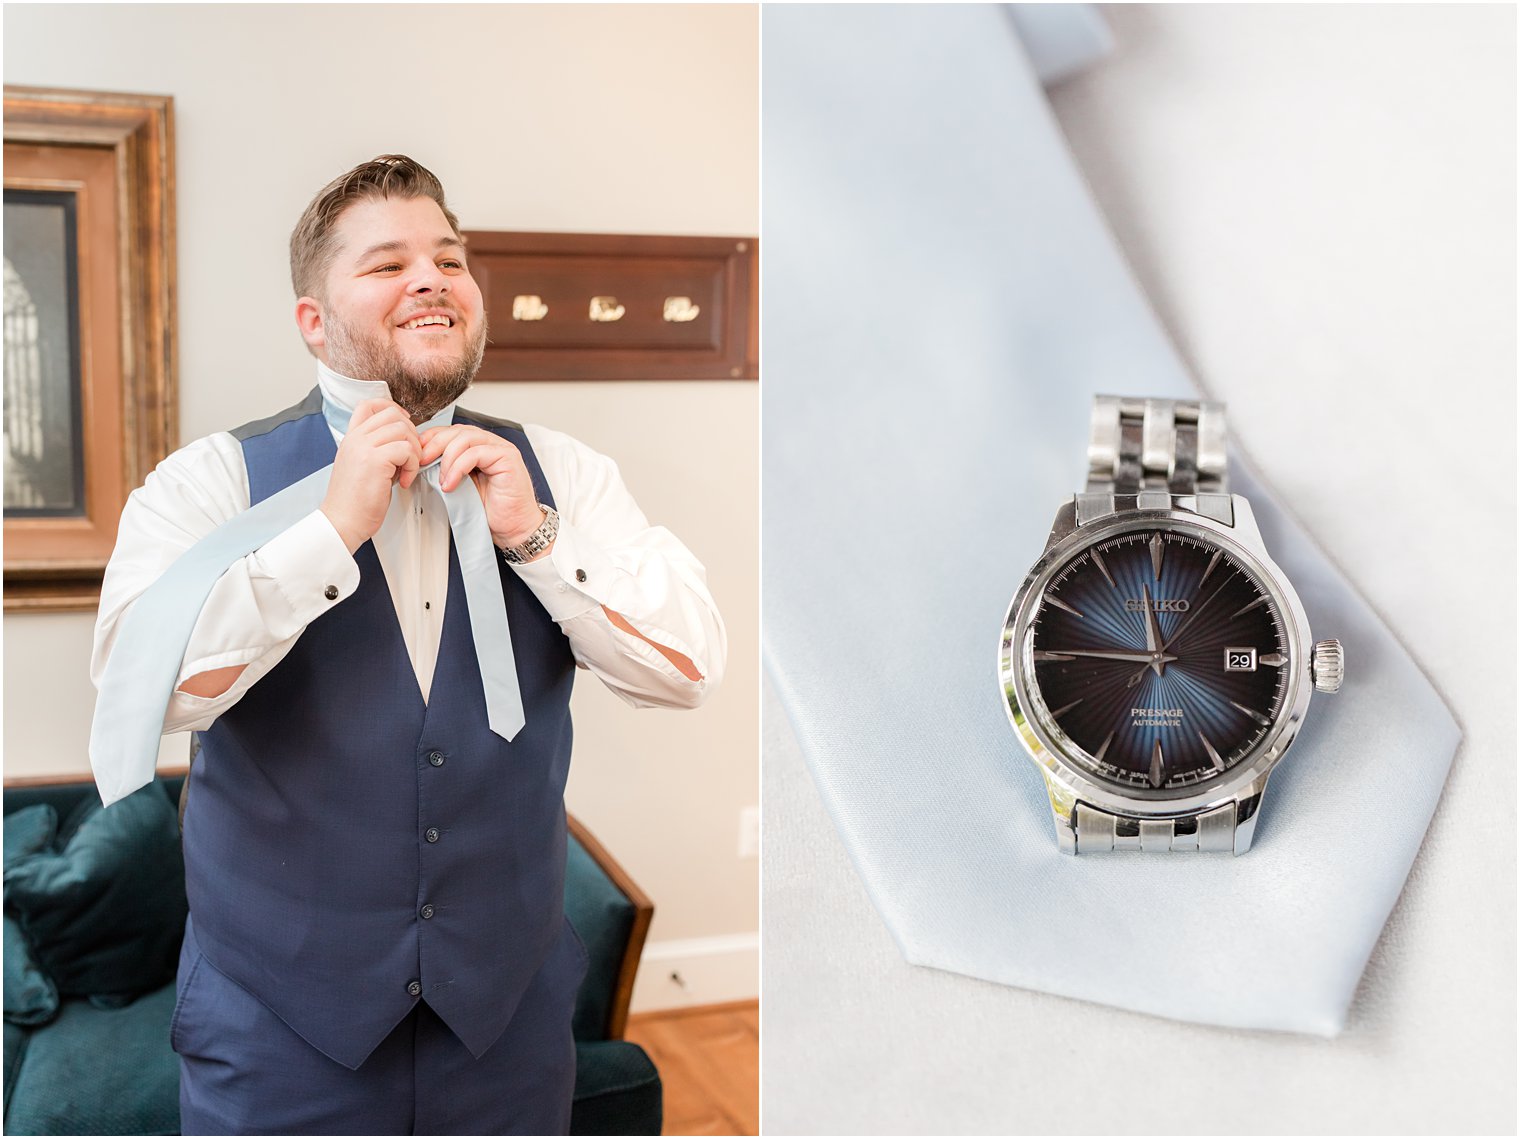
x=344, y=839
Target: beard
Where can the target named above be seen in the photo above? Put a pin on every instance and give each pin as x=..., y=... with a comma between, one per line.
x=422, y=389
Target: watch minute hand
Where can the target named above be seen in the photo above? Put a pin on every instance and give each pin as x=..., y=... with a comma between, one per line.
x=1152, y=629
x=1194, y=613
x=1153, y=633
x=1116, y=654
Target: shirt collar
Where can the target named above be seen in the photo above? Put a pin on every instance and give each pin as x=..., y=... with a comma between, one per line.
x=346, y=393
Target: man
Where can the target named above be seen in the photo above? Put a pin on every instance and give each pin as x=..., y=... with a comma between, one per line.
x=376, y=941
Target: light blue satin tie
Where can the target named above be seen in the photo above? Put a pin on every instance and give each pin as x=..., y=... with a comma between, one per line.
x=150, y=648
x=912, y=166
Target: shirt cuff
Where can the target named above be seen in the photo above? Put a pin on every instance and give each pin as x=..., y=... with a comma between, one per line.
x=311, y=567
x=576, y=576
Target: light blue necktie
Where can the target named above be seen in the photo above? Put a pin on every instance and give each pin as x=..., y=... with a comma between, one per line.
x=942, y=301
x=145, y=660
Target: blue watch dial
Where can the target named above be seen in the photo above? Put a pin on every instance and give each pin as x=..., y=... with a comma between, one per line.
x=1161, y=657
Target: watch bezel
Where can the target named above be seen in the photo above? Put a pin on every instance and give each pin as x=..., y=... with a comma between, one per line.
x=1048, y=746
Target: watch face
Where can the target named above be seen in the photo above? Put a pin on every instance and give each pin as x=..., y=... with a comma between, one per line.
x=1161, y=657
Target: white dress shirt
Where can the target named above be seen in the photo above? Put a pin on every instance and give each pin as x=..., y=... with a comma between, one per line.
x=606, y=553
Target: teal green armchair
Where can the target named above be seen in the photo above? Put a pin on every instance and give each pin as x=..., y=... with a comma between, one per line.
x=101, y=1063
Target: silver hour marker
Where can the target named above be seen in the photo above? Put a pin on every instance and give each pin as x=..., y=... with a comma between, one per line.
x=1276, y=660
x=1257, y=716
x=1213, y=755
x=1042, y=654
x=1059, y=712
x=1103, y=569
x=1262, y=600
x=1103, y=747
x=1156, y=549
x=1214, y=561
x=1052, y=599
x=1156, y=765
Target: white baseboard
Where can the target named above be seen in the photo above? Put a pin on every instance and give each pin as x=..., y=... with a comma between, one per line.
x=707, y=971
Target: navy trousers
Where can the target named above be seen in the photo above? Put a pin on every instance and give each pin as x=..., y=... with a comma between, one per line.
x=243, y=1071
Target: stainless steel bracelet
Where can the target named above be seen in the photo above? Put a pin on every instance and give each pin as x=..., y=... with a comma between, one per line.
x=1093, y=831
x=1142, y=452
x=1170, y=445
x=536, y=542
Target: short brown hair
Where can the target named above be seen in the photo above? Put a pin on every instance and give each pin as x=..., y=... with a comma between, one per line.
x=388, y=176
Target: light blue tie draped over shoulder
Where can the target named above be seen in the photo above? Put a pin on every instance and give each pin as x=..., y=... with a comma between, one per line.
x=942, y=301
x=145, y=660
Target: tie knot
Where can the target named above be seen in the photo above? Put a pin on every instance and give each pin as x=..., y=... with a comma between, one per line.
x=337, y=415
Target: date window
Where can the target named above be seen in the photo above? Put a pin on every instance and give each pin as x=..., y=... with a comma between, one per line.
x=1240, y=660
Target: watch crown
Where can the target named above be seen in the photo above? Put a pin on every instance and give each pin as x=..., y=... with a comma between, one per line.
x=1328, y=668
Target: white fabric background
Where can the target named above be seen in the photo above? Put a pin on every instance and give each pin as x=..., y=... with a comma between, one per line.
x=1318, y=201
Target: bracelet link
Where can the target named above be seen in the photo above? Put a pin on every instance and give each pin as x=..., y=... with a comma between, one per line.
x=1172, y=446
x=1094, y=831
x=537, y=542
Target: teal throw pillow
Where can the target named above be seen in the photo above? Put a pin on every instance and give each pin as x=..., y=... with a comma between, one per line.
x=29, y=830
x=30, y=995
x=105, y=915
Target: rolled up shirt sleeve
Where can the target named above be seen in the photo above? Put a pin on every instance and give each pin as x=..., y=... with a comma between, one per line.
x=258, y=607
x=607, y=554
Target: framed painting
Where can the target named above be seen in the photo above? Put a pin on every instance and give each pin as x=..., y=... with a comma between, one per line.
x=89, y=379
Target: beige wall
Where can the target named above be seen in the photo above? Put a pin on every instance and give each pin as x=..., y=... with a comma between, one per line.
x=603, y=119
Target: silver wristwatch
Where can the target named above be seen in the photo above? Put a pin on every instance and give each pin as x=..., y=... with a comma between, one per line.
x=1155, y=663
x=537, y=542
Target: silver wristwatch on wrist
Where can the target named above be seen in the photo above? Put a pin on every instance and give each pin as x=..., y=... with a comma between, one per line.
x=1156, y=663
x=536, y=542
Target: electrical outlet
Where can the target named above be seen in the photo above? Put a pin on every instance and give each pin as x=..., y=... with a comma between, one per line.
x=749, y=832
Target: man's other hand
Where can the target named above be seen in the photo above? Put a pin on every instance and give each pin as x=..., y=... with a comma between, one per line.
x=500, y=476
x=381, y=446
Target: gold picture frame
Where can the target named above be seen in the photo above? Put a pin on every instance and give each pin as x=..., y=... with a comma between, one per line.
x=90, y=378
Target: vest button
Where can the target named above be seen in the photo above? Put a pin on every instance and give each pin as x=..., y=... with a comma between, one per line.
x=432, y=834
x=414, y=988
x=331, y=593
x=435, y=758
x=427, y=911
x=580, y=575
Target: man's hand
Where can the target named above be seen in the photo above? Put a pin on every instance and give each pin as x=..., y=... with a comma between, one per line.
x=380, y=446
x=500, y=476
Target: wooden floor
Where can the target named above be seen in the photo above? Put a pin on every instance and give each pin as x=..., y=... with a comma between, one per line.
x=709, y=1062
